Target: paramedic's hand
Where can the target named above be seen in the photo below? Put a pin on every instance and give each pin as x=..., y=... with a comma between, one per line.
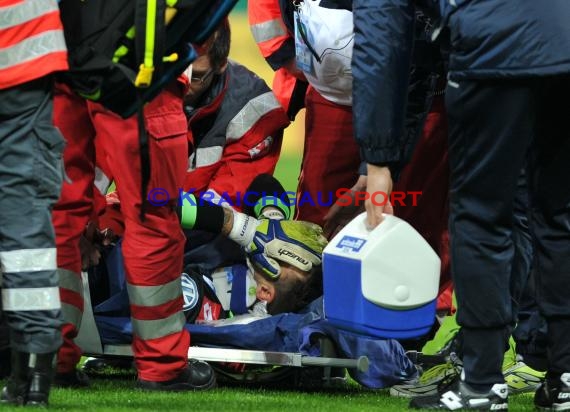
x=107, y=237
x=112, y=198
x=379, y=180
x=297, y=243
x=90, y=243
x=90, y=253
x=346, y=208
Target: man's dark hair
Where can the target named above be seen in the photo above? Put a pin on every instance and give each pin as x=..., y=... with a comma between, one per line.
x=218, y=48
x=294, y=295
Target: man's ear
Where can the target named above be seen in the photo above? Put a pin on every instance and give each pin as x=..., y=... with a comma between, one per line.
x=266, y=292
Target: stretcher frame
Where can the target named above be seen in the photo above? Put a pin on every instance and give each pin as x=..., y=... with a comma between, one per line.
x=89, y=340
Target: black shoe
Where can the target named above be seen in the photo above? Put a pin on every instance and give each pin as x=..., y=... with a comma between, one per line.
x=31, y=378
x=94, y=366
x=197, y=376
x=16, y=390
x=14, y=393
x=554, y=397
x=40, y=379
x=74, y=379
x=459, y=396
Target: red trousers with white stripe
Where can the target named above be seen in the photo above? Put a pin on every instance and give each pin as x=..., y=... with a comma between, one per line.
x=330, y=157
x=152, y=248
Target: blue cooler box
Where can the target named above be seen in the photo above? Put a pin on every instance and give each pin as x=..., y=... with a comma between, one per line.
x=381, y=283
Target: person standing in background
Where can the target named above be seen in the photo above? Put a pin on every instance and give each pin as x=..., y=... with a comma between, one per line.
x=508, y=70
x=32, y=48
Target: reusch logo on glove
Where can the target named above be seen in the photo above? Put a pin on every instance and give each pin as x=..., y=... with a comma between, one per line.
x=292, y=255
x=245, y=225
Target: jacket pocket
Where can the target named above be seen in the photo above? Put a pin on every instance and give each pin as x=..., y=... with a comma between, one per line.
x=167, y=125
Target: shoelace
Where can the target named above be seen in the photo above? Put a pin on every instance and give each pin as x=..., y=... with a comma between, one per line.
x=451, y=378
x=435, y=372
x=450, y=368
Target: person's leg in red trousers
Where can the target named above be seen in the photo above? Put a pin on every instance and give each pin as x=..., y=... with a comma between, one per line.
x=152, y=247
x=330, y=158
x=70, y=216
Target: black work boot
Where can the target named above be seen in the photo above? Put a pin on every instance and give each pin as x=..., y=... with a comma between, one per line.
x=74, y=379
x=30, y=380
x=16, y=389
x=41, y=371
x=197, y=376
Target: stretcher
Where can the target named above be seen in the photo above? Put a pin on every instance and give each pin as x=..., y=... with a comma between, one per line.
x=388, y=365
x=375, y=294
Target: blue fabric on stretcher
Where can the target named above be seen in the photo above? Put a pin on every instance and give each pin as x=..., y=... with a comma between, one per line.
x=288, y=332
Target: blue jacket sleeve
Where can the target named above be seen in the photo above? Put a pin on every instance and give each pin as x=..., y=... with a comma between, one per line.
x=384, y=31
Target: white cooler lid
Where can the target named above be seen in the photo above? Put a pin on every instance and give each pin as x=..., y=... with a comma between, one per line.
x=399, y=269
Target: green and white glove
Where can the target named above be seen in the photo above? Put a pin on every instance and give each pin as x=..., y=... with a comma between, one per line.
x=295, y=242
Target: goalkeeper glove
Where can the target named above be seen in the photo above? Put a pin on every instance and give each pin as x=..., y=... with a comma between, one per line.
x=297, y=243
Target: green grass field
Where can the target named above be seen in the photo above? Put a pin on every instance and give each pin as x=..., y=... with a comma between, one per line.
x=287, y=171
x=117, y=395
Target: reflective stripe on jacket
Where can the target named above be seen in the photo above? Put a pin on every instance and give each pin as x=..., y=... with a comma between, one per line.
x=32, y=44
x=270, y=32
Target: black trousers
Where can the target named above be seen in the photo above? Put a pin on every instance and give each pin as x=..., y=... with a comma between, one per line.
x=496, y=127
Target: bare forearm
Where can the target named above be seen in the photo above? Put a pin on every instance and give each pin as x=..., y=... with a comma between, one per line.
x=228, y=222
